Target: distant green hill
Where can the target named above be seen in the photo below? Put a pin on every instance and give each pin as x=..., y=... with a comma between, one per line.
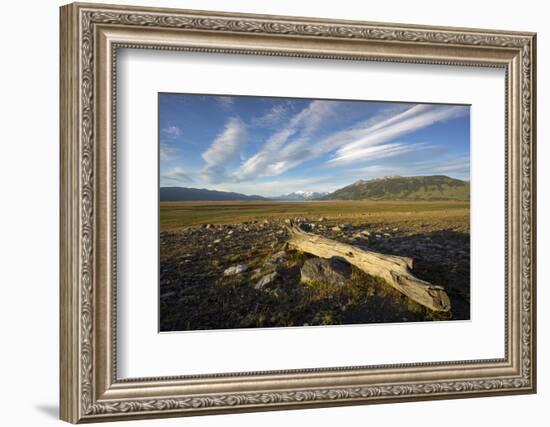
x=435, y=187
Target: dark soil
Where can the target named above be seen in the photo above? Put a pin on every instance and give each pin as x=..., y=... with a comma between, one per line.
x=195, y=293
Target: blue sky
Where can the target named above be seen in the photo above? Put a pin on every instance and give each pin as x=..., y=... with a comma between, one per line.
x=272, y=146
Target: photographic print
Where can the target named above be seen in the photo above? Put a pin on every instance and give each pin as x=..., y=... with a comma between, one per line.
x=291, y=212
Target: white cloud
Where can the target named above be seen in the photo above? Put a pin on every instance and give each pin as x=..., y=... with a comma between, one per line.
x=171, y=131
x=167, y=151
x=175, y=176
x=276, y=187
x=381, y=151
x=288, y=147
x=224, y=150
x=272, y=117
x=411, y=120
x=456, y=167
x=295, y=144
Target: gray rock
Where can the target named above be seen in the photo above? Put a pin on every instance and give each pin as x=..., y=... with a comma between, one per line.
x=235, y=269
x=266, y=280
x=277, y=258
x=167, y=295
x=336, y=228
x=333, y=271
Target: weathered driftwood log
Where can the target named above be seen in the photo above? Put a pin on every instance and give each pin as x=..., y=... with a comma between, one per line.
x=393, y=269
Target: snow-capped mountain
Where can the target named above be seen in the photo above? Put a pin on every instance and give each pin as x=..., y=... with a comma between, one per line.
x=301, y=195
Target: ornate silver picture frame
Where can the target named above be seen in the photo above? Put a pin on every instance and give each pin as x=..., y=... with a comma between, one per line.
x=91, y=35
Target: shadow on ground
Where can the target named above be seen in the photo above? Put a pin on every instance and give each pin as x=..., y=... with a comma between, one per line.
x=195, y=293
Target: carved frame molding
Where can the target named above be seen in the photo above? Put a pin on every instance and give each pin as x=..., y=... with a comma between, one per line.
x=90, y=37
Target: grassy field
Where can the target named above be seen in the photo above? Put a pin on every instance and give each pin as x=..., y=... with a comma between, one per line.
x=175, y=215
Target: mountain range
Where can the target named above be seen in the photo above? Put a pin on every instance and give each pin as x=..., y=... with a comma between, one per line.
x=301, y=195
x=434, y=187
x=201, y=194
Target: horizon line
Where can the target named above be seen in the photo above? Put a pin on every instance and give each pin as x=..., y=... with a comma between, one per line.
x=313, y=191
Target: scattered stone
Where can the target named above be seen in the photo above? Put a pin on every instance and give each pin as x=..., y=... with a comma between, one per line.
x=266, y=280
x=230, y=232
x=365, y=233
x=387, y=235
x=288, y=221
x=167, y=295
x=345, y=226
x=333, y=271
x=235, y=269
x=217, y=241
x=336, y=228
x=277, y=259
x=395, y=230
x=321, y=219
x=209, y=226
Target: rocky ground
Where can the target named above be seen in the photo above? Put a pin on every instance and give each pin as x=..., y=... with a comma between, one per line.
x=243, y=275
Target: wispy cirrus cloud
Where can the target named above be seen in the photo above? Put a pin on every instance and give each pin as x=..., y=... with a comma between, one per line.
x=360, y=141
x=367, y=140
x=167, y=151
x=458, y=167
x=289, y=146
x=176, y=175
x=272, y=117
x=224, y=150
x=382, y=151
